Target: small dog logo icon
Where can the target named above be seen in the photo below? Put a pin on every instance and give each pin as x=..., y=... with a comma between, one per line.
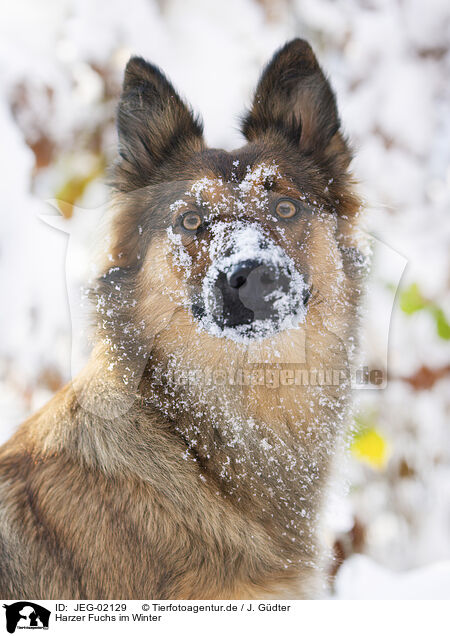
x=29, y=615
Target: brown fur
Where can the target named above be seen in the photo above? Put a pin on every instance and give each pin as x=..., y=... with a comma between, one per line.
x=126, y=487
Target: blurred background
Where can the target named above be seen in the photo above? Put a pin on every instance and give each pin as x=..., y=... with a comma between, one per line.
x=61, y=66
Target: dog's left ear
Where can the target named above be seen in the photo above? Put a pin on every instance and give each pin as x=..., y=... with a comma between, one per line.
x=294, y=98
x=154, y=126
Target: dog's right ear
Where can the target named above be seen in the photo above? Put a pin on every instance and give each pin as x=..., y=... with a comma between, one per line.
x=294, y=98
x=154, y=125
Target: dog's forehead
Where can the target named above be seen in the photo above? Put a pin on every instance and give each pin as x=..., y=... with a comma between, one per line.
x=235, y=166
x=213, y=190
x=229, y=166
x=238, y=176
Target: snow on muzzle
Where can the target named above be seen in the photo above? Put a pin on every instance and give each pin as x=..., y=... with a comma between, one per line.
x=252, y=288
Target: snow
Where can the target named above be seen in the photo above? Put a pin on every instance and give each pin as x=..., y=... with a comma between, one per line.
x=60, y=69
x=361, y=578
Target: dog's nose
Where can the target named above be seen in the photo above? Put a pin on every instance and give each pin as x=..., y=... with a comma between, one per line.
x=249, y=291
x=240, y=273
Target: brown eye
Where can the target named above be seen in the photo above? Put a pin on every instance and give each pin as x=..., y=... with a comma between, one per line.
x=191, y=221
x=286, y=209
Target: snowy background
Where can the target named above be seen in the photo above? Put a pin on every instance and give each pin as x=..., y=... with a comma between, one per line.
x=61, y=65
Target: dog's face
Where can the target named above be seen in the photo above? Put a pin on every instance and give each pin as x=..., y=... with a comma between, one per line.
x=239, y=245
x=238, y=249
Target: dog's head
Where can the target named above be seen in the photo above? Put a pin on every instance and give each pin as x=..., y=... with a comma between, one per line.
x=240, y=245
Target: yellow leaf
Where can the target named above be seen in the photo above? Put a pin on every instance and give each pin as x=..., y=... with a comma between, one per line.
x=370, y=447
x=76, y=183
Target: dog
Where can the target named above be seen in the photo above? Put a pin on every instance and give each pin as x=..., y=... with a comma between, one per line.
x=191, y=458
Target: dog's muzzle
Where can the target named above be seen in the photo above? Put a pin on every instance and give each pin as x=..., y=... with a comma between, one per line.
x=252, y=288
x=250, y=291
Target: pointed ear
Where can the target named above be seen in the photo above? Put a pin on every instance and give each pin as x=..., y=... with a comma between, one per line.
x=154, y=125
x=293, y=97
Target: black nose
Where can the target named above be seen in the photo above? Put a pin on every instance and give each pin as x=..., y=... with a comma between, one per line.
x=249, y=290
x=239, y=275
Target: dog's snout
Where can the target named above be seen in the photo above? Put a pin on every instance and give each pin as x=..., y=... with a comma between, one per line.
x=249, y=291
